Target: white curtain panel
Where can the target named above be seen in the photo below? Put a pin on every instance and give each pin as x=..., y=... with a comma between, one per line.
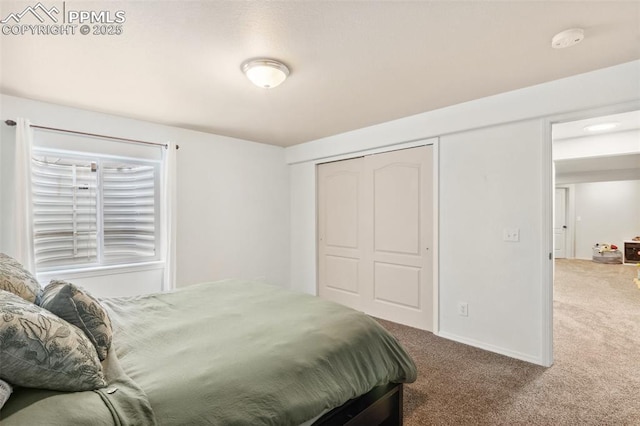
x=168, y=215
x=22, y=196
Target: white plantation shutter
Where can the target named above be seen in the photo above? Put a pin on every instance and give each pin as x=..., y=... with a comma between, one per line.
x=93, y=210
x=65, y=212
x=129, y=210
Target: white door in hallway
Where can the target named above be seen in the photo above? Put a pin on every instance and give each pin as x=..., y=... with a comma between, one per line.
x=375, y=235
x=560, y=224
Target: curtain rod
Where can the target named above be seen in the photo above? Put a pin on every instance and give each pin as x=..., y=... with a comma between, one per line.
x=13, y=123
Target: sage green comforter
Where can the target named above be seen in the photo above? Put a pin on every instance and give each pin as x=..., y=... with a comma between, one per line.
x=226, y=353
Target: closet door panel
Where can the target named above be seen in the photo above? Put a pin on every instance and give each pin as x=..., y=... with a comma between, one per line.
x=396, y=208
x=398, y=189
x=341, y=273
x=386, y=288
x=341, y=209
x=375, y=235
x=340, y=233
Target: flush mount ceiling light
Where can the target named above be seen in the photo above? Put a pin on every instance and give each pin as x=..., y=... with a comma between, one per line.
x=601, y=127
x=266, y=73
x=567, y=38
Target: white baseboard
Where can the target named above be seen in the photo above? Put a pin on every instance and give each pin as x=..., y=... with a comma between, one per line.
x=492, y=348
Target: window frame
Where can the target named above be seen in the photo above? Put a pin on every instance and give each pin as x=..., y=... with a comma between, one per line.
x=101, y=264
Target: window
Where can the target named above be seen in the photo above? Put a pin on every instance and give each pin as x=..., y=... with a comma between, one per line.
x=94, y=210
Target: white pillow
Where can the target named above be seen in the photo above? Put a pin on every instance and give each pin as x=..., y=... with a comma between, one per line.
x=5, y=391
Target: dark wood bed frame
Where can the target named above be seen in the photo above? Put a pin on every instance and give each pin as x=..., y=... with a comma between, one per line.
x=381, y=406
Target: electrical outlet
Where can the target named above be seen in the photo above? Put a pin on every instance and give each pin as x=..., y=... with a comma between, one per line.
x=511, y=234
x=463, y=309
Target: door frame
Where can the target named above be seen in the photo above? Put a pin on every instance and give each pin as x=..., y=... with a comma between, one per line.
x=547, y=210
x=434, y=141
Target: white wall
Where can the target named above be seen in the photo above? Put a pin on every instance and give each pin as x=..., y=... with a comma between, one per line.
x=303, y=227
x=233, y=195
x=233, y=211
x=492, y=175
x=609, y=213
x=497, y=187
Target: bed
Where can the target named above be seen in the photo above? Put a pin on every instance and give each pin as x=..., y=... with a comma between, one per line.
x=233, y=353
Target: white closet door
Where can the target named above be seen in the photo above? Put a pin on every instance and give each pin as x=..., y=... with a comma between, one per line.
x=399, y=193
x=340, y=232
x=375, y=234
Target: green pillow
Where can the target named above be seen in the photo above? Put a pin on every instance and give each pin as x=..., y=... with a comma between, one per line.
x=17, y=280
x=74, y=305
x=40, y=350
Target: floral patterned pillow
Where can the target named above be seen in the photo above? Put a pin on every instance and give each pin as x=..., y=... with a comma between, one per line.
x=17, y=280
x=40, y=350
x=74, y=305
x=5, y=392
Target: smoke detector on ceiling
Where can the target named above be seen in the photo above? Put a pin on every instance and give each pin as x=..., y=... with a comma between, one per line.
x=567, y=38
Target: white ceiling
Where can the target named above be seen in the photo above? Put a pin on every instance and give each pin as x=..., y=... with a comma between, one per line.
x=353, y=63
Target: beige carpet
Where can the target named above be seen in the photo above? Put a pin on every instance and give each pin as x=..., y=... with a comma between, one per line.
x=595, y=379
